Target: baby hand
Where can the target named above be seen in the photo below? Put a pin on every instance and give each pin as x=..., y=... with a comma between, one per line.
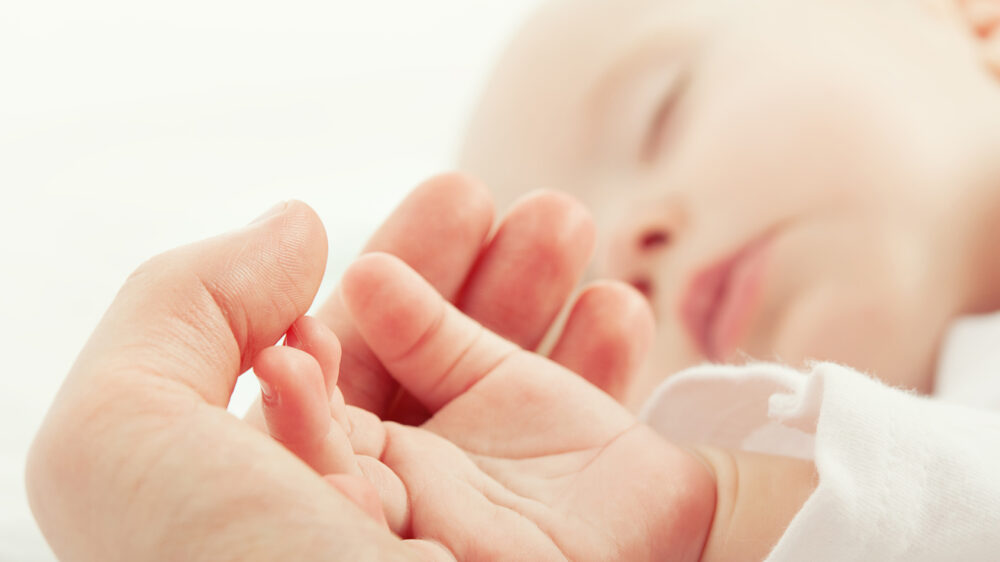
x=521, y=457
x=304, y=409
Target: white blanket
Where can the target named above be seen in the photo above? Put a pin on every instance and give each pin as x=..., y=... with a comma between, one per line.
x=901, y=477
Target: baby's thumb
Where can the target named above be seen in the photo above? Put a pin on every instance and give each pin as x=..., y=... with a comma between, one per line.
x=198, y=314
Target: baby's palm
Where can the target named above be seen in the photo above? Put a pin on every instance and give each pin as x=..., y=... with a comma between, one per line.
x=521, y=459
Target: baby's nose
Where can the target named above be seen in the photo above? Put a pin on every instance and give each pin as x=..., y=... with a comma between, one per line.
x=644, y=235
x=648, y=242
x=653, y=239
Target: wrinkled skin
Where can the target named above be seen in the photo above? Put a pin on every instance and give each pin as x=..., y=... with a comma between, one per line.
x=522, y=459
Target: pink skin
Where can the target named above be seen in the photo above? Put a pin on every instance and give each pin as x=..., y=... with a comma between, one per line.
x=605, y=339
x=298, y=409
x=862, y=137
x=721, y=299
x=520, y=456
x=512, y=281
x=138, y=459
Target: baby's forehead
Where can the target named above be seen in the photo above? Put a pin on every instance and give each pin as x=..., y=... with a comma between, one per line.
x=533, y=117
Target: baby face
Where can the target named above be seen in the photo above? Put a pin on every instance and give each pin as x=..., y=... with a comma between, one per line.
x=777, y=176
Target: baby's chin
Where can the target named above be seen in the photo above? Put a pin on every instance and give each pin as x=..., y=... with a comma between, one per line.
x=809, y=330
x=858, y=338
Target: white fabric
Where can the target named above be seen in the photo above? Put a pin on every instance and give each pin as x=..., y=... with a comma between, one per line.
x=901, y=477
x=969, y=369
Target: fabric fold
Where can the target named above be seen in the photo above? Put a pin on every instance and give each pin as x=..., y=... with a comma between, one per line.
x=901, y=477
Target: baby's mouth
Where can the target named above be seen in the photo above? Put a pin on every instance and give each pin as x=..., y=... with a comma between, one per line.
x=721, y=298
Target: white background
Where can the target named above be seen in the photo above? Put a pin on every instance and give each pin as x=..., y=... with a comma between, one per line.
x=129, y=127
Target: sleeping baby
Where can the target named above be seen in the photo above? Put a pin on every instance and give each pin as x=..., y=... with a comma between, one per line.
x=815, y=184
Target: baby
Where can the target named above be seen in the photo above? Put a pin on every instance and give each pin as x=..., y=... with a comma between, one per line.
x=789, y=181
x=783, y=179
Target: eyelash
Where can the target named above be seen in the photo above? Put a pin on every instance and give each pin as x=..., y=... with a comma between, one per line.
x=659, y=122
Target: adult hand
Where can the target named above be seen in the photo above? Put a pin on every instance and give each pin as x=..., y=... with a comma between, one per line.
x=512, y=279
x=138, y=458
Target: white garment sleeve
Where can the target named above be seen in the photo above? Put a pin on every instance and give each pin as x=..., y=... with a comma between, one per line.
x=901, y=477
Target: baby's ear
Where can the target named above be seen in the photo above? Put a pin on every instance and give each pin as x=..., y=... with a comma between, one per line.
x=983, y=20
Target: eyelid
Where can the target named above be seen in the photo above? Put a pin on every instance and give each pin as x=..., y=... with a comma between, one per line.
x=659, y=121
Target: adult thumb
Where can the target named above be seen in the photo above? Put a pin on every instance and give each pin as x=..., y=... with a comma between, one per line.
x=138, y=460
x=197, y=315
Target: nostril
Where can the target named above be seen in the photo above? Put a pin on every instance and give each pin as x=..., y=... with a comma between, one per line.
x=653, y=239
x=644, y=286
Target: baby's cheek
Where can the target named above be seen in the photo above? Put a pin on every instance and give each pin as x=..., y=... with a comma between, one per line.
x=866, y=331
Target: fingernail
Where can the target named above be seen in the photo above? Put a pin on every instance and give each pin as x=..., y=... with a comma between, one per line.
x=266, y=391
x=275, y=210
